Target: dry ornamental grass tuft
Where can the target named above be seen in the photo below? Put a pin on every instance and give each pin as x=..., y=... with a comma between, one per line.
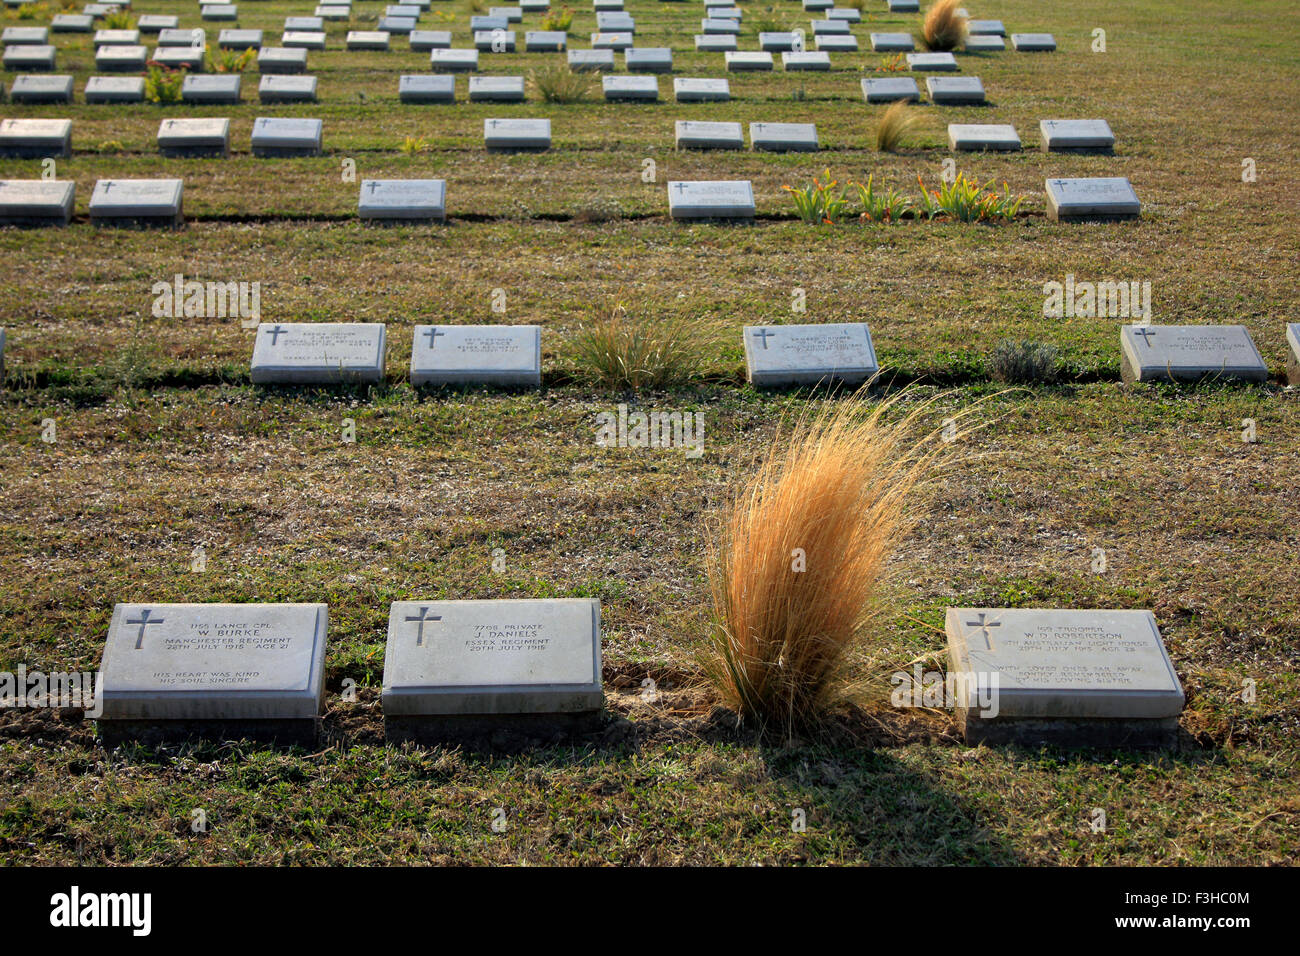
x=944, y=28
x=798, y=568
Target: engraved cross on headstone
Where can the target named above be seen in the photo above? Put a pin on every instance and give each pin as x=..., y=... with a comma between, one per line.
x=423, y=617
x=144, y=620
x=432, y=336
x=275, y=333
x=764, y=334
x=984, y=624
x=1146, y=334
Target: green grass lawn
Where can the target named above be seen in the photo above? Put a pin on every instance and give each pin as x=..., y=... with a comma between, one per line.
x=163, y=445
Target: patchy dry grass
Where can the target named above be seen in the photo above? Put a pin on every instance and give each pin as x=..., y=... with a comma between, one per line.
x=163, y=445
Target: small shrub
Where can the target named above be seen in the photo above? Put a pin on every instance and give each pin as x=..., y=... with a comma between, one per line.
x=163, y=85
x=618, y=350
x=33, y=11
x=888, y=206
x=944, y=28
x=599, y=210
x=556, y=83
x=893, y=126
x=558, y=20
x=1023, y=362
x=818, y=202
x=892, y=64
x=414, y=144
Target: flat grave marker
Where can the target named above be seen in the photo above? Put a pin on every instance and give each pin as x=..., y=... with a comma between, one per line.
x=749, y=61
x=890, y=89
x=983, y=136
x=496, y=657
x=545, y=41
x=1076, y=136
x=477, y=355
x=632, y=89
x=142, y=202
x=784, y=137
x=955, y=90
x=318, y=353
x=286, y=89
x=1098, y=198
x=422, y=41
x=496, y=89
x=1033, y=42
x=215, y=88
x=533, y=135
x=1189, y=353
x=701, y=90
x=892, y=42
x=985, y=44
x=36, y=202
x=425, y=88
x=1071, y=677
x=648, y=60
x=403, y=199
x=206, y=136
x=808, y=354
x=711, y=199
x=115, y=89
x=278, y=59
x=703, y=134
x=239, y=668
x=807, y=60
x=41, y=89
x=35, y=138
x=29, y=57
x=454, y=60
x=286, y=136
x=932, y=62
x=591, y=60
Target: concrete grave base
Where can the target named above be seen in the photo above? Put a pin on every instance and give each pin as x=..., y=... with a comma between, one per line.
x=302, y=732
x=272, y=151
x=176, y=221
x=1090, y=732
x=492, y=729
x=195, y=152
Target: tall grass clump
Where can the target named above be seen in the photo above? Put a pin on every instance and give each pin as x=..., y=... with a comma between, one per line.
x=798, y=566
x=1023, y=362
x=616, y=349
x=896, y=123
x=556, y=83
x=944, y=28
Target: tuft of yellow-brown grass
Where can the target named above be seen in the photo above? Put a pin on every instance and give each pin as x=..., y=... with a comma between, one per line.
x=944, y=28
x=798, y=567
x=896, y=123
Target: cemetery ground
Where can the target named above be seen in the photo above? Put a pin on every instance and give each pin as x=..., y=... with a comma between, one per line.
x=163, y=444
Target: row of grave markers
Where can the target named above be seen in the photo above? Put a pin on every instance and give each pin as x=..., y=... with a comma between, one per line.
x=327, y=353
x=159, y=202
x=1083, y=677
